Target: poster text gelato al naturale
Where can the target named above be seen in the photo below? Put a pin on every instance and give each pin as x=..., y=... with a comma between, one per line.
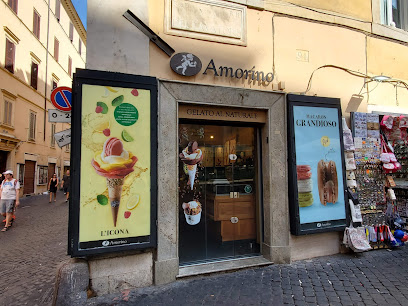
x=115, y=163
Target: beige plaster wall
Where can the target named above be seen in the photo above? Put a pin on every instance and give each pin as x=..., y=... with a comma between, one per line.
x=16, y=87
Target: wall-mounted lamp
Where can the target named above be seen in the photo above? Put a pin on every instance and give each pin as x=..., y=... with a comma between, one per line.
x=380, y=78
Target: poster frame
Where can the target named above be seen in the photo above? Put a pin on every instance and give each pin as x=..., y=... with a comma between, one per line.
x=296, y=228
x=112, y=79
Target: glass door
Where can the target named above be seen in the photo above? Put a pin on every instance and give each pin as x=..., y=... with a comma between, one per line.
x=219, y=211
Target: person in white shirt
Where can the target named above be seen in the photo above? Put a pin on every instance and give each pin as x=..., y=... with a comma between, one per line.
x=9, y=197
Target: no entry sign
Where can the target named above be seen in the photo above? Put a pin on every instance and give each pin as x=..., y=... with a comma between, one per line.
x=61, y=98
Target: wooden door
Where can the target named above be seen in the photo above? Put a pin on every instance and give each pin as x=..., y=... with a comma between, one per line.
x=29, y=176
x=51, y=171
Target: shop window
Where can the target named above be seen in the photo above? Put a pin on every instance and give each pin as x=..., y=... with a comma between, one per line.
x=20, y=173
x=394, y=13
x=10, y=55
x=42, y=175
x=8, y=112
x=56, y=48
x=34, y=75
x=69, y=66
x=58, y=9
x=71, y=31
x=52, y=135
x=32, y=126
x=13, y=4
x=80, y=47
x=36, y=24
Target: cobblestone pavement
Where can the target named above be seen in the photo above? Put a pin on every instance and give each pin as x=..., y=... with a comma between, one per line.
x=377, y=277
x=31, y=250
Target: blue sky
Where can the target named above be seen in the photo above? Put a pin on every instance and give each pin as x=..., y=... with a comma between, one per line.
x=80, y=6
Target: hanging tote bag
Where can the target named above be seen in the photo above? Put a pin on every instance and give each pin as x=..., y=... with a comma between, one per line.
x=357, y=239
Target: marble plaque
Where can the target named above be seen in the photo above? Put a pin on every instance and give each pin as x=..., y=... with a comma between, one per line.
x=212, y=20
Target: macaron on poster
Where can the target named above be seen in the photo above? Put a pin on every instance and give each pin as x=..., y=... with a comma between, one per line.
x=320, y=189
x=115, y=164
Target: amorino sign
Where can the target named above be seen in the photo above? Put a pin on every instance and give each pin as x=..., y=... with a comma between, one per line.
x=188, y=64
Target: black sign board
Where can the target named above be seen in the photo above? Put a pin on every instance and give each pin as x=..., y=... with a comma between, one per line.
x=113, y=163
x=185, y=64
x=317, y=184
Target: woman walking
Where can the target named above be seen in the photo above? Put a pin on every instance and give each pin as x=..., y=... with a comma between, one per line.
x=52, y=187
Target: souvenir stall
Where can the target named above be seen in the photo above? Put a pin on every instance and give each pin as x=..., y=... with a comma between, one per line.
x=377, y=185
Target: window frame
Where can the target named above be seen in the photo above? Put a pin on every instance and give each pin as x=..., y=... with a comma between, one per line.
x=42, y=178
x=71, y=31
x=32, y=126
x=34, y=75
x=20, y=174
x=10, y=59
x=36, y=24
x=80, y=46
x=387, y=18
x=69, y=66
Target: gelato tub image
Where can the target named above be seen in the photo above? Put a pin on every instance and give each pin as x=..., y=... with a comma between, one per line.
x=192, y=212
x=114, y=163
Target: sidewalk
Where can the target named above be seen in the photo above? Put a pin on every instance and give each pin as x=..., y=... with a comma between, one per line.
x=32, y=249
x=377, y=277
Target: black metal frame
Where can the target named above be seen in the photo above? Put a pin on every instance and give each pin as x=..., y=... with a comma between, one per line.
x=102, y=78
x=310, y=228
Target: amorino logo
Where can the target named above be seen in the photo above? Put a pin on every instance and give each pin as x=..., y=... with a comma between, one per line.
x=186, y=64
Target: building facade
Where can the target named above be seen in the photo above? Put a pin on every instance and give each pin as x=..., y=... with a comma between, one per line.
x=43, y=42
x=252, y=54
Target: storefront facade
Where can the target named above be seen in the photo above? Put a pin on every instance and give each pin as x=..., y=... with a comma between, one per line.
x=222, y=95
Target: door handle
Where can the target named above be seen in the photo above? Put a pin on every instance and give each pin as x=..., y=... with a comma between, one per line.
x=231, y=195
x=234, y=220
x=236, y=195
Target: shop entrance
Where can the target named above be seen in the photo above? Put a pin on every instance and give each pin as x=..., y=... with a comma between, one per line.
x=3, y=161
x=219, y=211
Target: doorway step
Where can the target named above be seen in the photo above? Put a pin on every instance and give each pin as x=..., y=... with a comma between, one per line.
x=220, y=266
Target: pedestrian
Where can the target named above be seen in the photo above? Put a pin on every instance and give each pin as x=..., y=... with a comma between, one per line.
x=66, y=182
x=9, y=198
x=53, y=186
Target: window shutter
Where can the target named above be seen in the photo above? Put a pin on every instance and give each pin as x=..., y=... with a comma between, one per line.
x=56, y=49
x=80, y=46
x=10, y=52
x=58, y=9
x=69, y=66
x=71, y=31
x=5, y=119
x=13, y=4
x=36, y=25
x=31, y=135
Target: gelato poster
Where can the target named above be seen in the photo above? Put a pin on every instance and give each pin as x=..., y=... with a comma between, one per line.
x=115, y=166
x=318, y=168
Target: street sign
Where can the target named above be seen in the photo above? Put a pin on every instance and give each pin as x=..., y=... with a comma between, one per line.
x=61, y=98
x=63, y=138
x=55, y=115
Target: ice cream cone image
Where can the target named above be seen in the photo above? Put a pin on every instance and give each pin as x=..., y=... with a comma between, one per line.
x=115, y=192
x=191, y=156
x=114, y=163
x=192, y=169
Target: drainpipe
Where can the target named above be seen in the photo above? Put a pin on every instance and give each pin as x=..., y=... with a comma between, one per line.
x=46, y=71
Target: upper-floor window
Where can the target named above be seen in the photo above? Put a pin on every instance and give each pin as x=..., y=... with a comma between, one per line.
x=80, y=47
x=32, y=126
x=36, y=24
x=58, y=9
x=34, y=75
x=71, y=31
x=8, y=112
x=395, y=13
x=10, y=55
x=13, y=4
x=54, y=84
x=69, y=66
x=56, y=48
x=52, y=134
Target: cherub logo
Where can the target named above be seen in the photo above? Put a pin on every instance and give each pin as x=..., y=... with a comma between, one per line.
x=105, y=243
x=185, y=64
x=319, y=225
